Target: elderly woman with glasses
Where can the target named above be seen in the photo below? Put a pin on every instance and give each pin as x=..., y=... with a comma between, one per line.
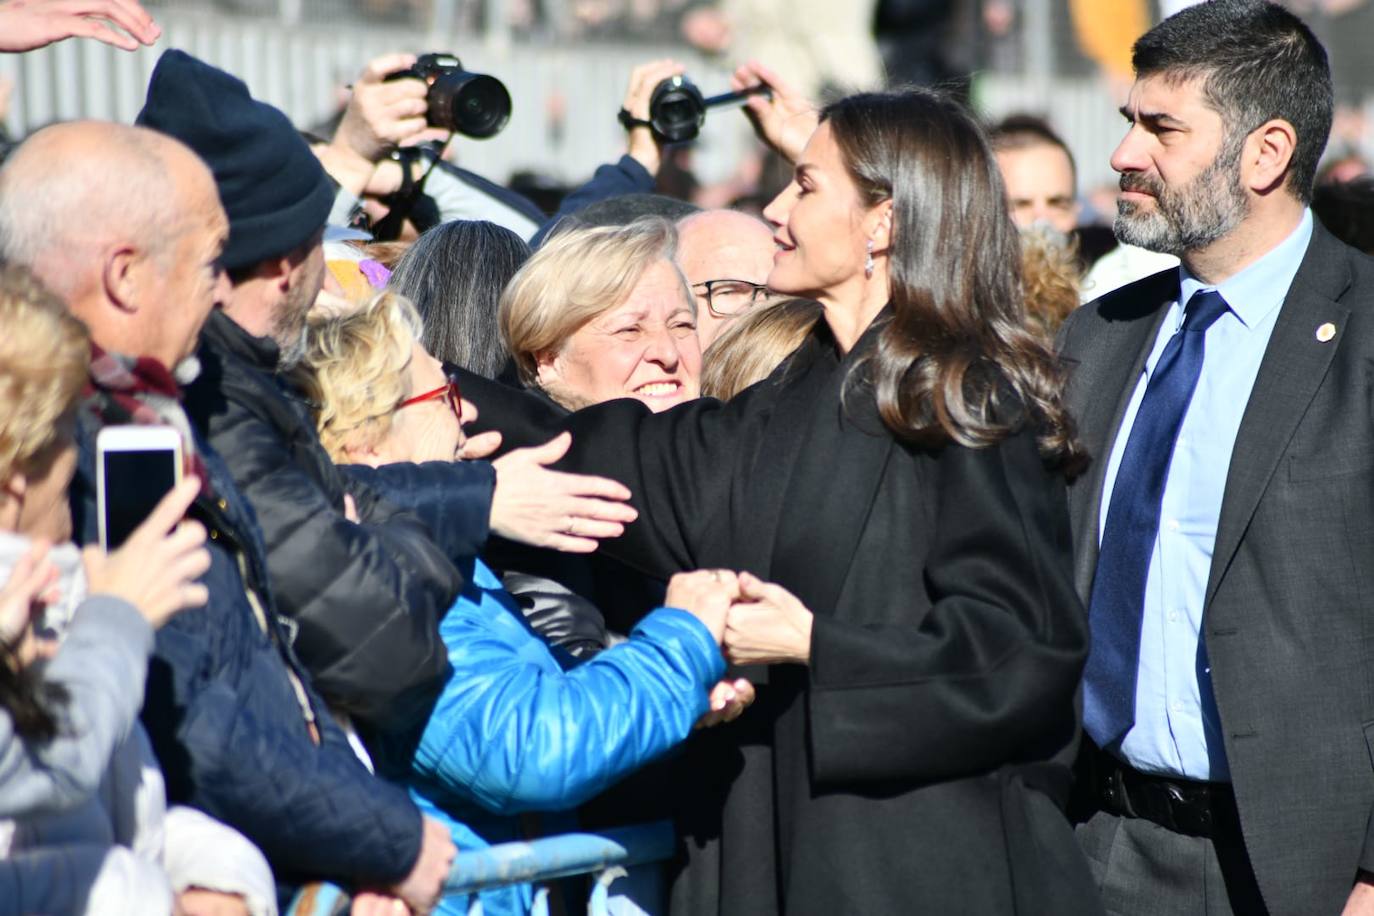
x=512, y=730
x=603, y=312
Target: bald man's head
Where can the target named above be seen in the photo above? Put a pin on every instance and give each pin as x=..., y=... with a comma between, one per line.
x=723, y=245
x=122, y=222
x=72, y=189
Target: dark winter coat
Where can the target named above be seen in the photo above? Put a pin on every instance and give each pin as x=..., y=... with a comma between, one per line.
x=365, y=599
x=921, y=761
x=231, y=725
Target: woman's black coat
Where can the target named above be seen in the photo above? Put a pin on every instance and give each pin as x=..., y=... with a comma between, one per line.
x=921, y=762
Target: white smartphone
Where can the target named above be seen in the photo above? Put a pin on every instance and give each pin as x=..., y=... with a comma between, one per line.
x=135, y=467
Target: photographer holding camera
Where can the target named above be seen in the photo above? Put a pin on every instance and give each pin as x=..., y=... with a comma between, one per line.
x=389, y=112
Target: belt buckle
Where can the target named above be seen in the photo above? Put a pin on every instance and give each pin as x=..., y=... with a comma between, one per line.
x=1190, y=815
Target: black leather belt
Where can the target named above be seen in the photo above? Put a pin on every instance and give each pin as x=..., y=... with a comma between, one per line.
x=1202, y=809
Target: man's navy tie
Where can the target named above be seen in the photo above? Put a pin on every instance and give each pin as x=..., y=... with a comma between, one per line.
x=1117, y=604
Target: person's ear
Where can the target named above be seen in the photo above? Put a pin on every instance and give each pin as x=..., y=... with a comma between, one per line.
x=12, y=492
x=121, y=276
x=1267, y=155
x=367, y=454
x=278, y=270
x=879, y=226
x=547, y=367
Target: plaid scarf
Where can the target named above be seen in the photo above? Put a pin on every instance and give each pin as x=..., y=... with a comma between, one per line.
x=141, y=391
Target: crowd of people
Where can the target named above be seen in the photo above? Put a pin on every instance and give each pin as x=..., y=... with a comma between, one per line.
x=842, y=536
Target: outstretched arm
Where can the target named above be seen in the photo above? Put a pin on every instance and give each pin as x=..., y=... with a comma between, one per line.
x=514, y=732
x=26, y=25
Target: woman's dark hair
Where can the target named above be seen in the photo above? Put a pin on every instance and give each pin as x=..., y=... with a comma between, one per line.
x=957, y=360
x=30, y=701
x=454, y=274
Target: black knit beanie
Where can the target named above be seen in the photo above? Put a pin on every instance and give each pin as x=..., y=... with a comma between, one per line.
x=275, y=191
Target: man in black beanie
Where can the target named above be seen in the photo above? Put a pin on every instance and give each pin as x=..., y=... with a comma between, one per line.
x=362, y=582
x=362, y=600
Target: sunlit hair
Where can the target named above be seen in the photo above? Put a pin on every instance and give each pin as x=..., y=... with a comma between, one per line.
x=1051, y=278
x=956, y=360
x=355, y=371
x=574, y=277
x=455, y=274
x=44, y=358
x=387, y=254
x=754, y=344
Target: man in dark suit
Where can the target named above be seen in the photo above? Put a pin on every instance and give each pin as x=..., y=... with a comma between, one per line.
x=1224, y=534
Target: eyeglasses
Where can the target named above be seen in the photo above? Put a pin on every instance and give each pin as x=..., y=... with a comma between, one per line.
x=728, y=297
x=449, y=394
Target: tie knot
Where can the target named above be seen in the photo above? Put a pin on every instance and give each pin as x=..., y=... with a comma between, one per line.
x=1203, y=309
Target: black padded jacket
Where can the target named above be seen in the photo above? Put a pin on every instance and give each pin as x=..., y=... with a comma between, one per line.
x=365, y=598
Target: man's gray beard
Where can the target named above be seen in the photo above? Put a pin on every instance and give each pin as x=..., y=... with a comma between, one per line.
x=1191, y=217
x=289, y=328
x=291, y=353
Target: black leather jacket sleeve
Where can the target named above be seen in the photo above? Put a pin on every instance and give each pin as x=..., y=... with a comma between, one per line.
x=365, y=597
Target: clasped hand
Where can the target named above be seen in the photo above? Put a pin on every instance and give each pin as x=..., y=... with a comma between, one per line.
x=755, y=622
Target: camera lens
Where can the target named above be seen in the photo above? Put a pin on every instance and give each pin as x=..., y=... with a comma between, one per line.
x=675, y=110
x=472, y=104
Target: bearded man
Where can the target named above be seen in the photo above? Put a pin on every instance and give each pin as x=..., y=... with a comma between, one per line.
x=1224, y=533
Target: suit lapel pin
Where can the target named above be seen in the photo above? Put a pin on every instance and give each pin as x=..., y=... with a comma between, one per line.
x=1326, y=331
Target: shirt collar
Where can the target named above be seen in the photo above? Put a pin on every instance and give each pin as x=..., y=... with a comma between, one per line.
x=1260, y=288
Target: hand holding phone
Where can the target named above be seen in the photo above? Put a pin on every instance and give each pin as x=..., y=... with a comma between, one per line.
x=135, y=467
x=157, y=568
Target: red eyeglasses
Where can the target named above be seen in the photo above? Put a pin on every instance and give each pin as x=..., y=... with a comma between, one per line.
x=449, y=394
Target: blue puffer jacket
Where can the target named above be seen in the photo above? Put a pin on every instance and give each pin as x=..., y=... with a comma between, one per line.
x=513, y=731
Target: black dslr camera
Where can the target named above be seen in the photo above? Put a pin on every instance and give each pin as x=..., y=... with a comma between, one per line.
x=677, y=109
x=472, y=104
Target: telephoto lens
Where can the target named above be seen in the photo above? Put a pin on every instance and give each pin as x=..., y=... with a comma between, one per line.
x=472, y=104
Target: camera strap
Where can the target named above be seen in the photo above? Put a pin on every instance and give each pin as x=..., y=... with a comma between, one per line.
x=407, y=199
x=629, y=121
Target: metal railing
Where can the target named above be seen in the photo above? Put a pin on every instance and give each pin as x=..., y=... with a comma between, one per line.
x=604, y=856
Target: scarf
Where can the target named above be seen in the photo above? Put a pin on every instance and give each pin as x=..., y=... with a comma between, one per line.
x=141, y=391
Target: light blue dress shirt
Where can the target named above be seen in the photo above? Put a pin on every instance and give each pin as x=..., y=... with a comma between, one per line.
x=1177, y=729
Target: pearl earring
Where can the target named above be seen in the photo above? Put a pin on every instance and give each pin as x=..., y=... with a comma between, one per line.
x=868, y=261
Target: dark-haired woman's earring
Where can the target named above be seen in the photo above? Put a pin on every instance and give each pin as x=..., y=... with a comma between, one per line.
x=868, y=261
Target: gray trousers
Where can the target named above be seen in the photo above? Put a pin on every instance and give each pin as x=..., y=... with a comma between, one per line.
x=1143, y=869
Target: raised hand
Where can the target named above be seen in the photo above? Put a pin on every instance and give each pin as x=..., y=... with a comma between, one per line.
x=642, y=145
x=787, y=120
x=544, y=508
x=767, y=625
x=156, y=569
x=29, y=24
x=381, y=115
x=32, y=582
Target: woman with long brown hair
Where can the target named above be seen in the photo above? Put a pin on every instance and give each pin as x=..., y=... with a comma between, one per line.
x=894, y=498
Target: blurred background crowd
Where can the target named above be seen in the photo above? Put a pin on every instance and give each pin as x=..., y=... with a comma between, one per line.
x=565, y=63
